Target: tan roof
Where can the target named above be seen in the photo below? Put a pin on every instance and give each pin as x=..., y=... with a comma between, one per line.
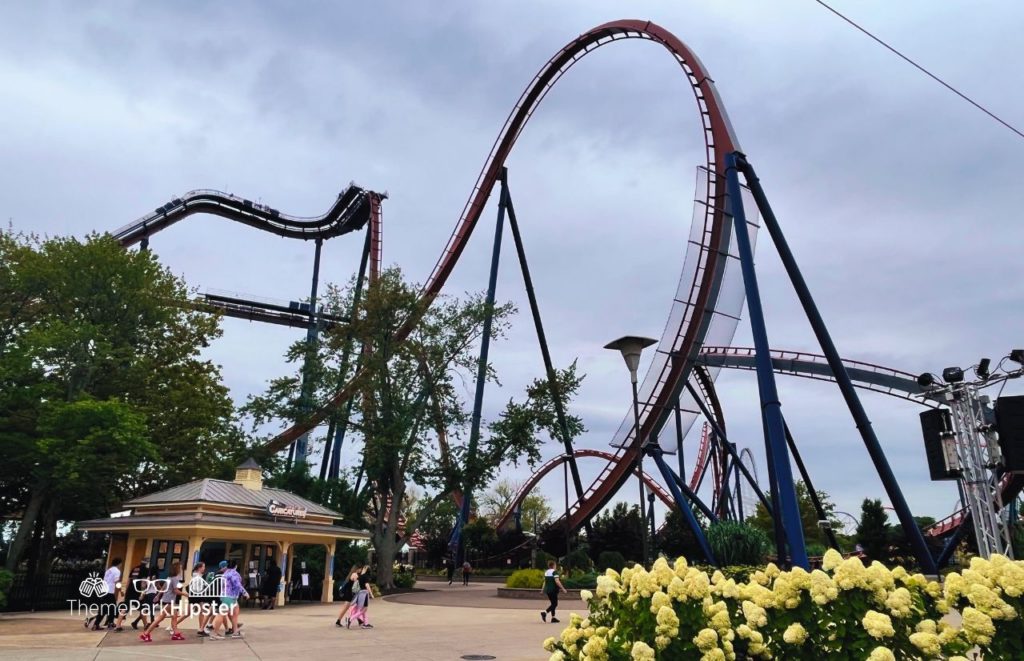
x=223, y=520
x=222, y=491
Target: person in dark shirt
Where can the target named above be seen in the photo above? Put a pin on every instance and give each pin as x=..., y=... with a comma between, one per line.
x=271, y=582
x=552, y=586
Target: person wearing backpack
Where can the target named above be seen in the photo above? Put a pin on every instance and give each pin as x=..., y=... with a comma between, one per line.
x=552, y=586
x=347, y=596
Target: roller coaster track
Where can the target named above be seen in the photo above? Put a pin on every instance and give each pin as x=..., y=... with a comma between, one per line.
x=695, y=308
x=557, y=461
x=868, y=376
x=353, y=209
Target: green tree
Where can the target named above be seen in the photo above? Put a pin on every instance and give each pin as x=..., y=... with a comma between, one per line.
x=103, y=392
x=408, y=411
x=675, y=538
x=813, y=533
x=617, y=529
x=872, y=531
x=498, y=499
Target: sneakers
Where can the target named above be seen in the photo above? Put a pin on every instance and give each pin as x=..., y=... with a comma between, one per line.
x=338, y=624
x=544, y=615
x=365, y=625
x=216, y=636
x=237, y=634
x=145, y=637
x=555, y=620
x=177, y=636
x=202, y=634
x=209, y=627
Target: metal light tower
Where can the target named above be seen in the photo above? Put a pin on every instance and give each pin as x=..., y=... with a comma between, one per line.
x=971, y=452
x=631, y=347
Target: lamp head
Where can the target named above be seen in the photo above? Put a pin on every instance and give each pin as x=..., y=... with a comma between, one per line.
x=631, y=346
x=926, y=380
x=982, y=370
x=953, y=375
x=1017, y=356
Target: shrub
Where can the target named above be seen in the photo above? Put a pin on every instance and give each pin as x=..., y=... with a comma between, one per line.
x=611, y=560
x=525, y=578
x=735, y=543
x=843, y=611
x=405, y=579
x=586, y=581
x=578, y=559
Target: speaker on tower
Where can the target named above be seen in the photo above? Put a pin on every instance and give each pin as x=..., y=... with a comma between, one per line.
x=1010, y=425
x=937, y=427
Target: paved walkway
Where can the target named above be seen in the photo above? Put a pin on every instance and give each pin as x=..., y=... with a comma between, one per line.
x=442, y=624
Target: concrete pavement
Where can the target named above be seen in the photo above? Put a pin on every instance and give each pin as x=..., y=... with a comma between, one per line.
x=442, y=624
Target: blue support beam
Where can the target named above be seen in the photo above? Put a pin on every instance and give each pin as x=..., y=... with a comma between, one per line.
x=771, y=407
x=835, y=362
x=481, y=372
x=682, y=503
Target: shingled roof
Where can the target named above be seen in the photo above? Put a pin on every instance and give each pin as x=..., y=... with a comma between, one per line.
x=232, y=493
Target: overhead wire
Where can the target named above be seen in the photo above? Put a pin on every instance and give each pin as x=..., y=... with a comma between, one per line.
x=924, y=71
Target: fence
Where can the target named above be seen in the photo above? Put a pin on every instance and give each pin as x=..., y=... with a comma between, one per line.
x=46, y=592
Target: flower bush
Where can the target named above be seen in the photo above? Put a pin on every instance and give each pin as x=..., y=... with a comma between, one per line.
x=843, y=611
x=525, y=578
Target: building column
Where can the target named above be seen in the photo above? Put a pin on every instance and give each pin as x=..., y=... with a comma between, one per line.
x=195, y=543
x=327, y=594
x=286, y=563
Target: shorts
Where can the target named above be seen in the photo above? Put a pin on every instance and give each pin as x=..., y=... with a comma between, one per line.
x=229, y=601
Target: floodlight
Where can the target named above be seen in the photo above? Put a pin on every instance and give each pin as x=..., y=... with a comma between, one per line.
x=926, y=380
x=953, y=375
x=982, y=369
x=1017, y=356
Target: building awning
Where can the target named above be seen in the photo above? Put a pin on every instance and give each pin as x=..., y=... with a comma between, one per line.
x=225, y=523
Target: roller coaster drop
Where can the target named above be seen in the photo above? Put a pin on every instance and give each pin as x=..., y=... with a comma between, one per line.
x=705, y=310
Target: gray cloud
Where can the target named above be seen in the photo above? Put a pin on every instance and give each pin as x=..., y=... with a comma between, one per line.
x=898, y=200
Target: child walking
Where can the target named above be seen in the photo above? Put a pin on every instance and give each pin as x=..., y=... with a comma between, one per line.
x=362, y=600
x=347, y=596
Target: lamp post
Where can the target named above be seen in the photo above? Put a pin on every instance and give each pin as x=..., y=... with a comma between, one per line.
x=631, y=347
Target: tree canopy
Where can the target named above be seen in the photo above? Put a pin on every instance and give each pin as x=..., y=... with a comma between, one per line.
x=103, y=389
x=408, y=410
x=813, y=533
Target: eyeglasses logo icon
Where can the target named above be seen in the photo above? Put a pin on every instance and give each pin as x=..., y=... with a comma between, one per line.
x=93, y=586
x=143, y=585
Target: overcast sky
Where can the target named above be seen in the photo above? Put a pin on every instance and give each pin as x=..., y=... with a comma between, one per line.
x=901, y=202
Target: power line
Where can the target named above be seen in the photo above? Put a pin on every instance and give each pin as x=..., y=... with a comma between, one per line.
x=925, y=71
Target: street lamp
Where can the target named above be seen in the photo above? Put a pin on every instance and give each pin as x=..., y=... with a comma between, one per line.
x=631, y=347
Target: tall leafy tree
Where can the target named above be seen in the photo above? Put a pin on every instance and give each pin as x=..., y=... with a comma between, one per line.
x=872, y=532
x=408, y=409
x=499, y=498
x=617, y=529
x=103, y=392
x=813, y=533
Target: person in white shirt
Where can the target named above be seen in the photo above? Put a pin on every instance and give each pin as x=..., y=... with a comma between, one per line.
x=108, y=603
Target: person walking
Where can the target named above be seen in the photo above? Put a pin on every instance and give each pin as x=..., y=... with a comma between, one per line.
x=362, y=599
x=347, y=596
x=170, y=590
x=271, y=584
x=233, y=591
x=449, y=565
x=107, y=604
x=552, y=586
x=133, y=595
x=467, y=569
x=199, y=595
